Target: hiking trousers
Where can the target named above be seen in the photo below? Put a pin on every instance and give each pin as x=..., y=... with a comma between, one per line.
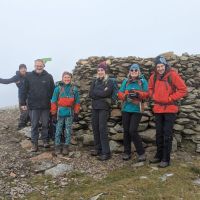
x=36, y=117
x=130, y=123
x=164, y=135
x=67, y=123
x=23, y=118
x=100, y=130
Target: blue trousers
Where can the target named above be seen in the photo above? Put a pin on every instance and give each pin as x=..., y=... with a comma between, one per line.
x=59, y=128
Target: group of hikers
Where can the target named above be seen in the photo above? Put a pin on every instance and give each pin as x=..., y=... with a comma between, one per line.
x=40, y=99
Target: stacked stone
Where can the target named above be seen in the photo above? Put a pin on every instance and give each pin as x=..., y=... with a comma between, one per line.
x=187, y=125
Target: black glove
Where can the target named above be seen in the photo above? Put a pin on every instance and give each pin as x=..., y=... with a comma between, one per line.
x=75, y=117
x=134, y=95
x=54, y=118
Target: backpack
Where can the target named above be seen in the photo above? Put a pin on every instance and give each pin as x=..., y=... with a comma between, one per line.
x=114, y=96
x=62, y=89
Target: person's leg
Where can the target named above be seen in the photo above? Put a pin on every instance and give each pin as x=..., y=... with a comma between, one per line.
x=23, y=118
x=159, y=119
x=95, y=127
x=127, y=137
x=134, y=123
x=59, y=129
x=169, y=119
x=44, y=117
x=68, y=132
x=68, y=129
x=103, y=119
x=35, y=117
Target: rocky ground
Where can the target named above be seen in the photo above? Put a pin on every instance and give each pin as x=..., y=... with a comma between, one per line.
x=26, y=175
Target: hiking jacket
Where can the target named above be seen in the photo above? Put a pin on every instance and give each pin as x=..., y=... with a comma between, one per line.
x=37, y=90
x=17, y=79
x=165, y=94
x=100, y=91
x=139, y=86
x=65, y=100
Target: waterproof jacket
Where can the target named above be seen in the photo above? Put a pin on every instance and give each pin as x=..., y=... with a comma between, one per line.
x=139, y=86
x=17, y=79
x=65, y=100
x=165, y=94
x=37, y=90
x=100, y=91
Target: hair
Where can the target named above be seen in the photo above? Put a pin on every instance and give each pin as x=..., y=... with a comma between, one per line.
x=67, y=73
x=40, y=60
x=22, y=66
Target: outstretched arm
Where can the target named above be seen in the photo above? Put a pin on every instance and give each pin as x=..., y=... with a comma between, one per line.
x=14, y=79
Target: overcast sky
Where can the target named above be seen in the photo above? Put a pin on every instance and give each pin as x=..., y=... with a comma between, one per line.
x=67, y=30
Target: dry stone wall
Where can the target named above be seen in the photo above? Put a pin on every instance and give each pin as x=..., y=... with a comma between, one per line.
x=187, y=125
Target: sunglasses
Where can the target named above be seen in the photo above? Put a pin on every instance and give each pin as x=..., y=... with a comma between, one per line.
x=134, y=70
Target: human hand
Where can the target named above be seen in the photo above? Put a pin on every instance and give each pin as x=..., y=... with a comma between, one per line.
x=24, y=108
x=76, y=119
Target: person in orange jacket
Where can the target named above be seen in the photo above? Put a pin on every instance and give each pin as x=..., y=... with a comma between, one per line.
x=166, y=87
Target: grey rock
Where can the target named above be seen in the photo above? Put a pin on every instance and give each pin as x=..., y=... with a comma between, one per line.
x=114, y=146
x=44, y=165
x=59, y=170
x=26, y=131
x=88, y=139
x=149, y=135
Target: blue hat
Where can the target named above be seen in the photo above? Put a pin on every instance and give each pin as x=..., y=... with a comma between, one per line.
x=135, y=66
x=161, y=60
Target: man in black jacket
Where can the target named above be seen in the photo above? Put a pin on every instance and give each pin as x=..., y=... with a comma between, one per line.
x=100, y=93
x=18, y=79
x=37, y=91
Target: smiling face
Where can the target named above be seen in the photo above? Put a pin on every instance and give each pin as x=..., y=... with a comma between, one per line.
x=23, y=71
x=134, y=73
x=66, y=79
x=101, y=73
x=160, y=68
x=39, y=66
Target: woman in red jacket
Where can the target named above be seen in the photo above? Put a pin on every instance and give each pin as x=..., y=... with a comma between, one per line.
x=165, y=88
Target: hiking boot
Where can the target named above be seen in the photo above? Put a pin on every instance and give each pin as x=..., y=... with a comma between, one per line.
x=73, y=141
x=57, y=149
x=154, y=160
x=34, y=148
x=126, y=156
x=46, y=145
x=65, y=150
x=142, y=158
x=95, y=152
x=104, y=157
x=163, y=164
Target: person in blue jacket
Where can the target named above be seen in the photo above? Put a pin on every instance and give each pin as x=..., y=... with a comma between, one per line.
x=132, y=92
x=19, y=79
x=65, y=103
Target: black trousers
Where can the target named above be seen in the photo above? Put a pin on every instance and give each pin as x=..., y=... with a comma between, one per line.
x=23, y=118
x=130, y=123
x=164, y=135
x=99, y=126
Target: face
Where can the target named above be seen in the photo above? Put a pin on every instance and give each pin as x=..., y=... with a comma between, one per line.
x=101, y=73
x=134, y=73
x=39, y=67
x=160, y=68
x=23, y=71
x=66, y=79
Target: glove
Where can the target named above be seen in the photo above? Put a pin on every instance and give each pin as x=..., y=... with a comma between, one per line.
x=133, y=95
x=75, y=117
x=54, y=118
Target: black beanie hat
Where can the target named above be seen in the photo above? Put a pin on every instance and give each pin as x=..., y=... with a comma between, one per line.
x=161, y=60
